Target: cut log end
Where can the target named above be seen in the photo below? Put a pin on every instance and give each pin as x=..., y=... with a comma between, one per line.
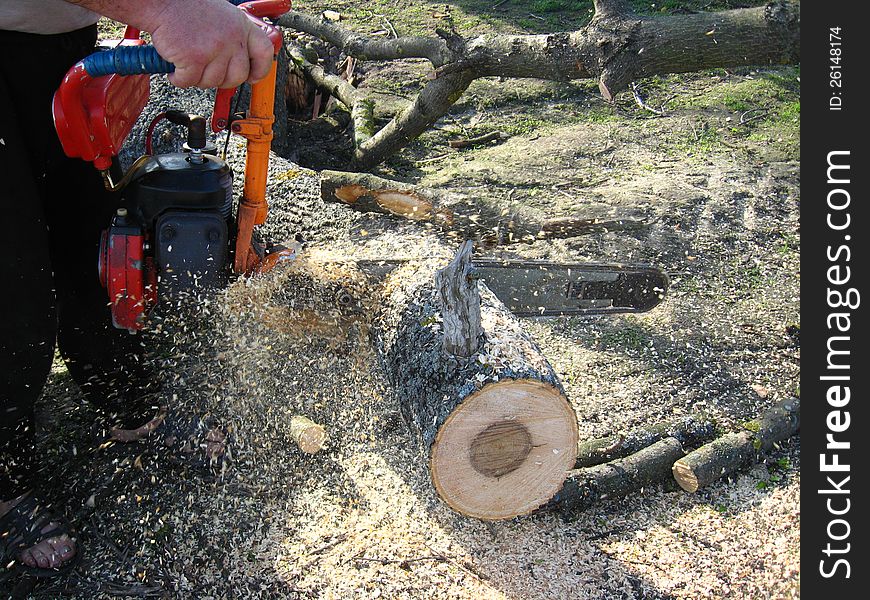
x=686, y=477
x=308, y=435
x=505, y=450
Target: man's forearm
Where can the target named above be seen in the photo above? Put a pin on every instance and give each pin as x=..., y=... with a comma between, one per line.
x=142, y=14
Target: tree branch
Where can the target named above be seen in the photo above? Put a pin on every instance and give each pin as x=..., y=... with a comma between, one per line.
x=361, y=107
x=433, y=102
x=365, y=47
x=616, y=48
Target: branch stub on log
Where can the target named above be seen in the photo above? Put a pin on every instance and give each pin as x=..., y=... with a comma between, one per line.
x=459, y=297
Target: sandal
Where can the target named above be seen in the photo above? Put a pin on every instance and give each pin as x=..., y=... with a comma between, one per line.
x=22, y=528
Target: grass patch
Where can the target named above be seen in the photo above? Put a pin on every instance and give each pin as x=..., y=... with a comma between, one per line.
x=548, y=6
x=628, y=335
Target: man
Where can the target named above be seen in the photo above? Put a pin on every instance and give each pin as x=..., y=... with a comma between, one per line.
x=53, y=209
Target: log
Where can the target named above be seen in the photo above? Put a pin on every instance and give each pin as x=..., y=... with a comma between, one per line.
x=618, y=478
x=469, y=217
x=730, y=452
x=368, y=193
x=307, y=434
x=497, y=427
x=689, y=430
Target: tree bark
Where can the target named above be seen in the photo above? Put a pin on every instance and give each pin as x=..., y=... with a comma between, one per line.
x=689, y=430
x=616, y=48
x=459, y=301
x=730, y=452
x=619, y=478
x=497, y=426
x=468, y=217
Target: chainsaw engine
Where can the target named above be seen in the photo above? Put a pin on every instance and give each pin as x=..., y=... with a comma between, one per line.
x=171, y=235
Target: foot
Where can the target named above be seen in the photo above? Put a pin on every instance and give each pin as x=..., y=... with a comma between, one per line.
x=189, y=436
x=48, y=553
x=140, y=433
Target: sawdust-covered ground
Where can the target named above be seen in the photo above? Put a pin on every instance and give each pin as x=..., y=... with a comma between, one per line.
x=719, y=196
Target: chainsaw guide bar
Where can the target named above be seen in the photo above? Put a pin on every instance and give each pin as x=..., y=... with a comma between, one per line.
x=532, y=288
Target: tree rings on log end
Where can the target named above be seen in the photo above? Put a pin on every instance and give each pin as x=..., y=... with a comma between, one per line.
x=505, y=450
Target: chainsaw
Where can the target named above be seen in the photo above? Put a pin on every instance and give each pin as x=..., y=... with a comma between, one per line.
x=177, y=230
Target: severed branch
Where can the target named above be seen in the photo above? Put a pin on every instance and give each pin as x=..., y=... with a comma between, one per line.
x=616, y=48
x=689, y=430
x=730, y=452
x=469, y=217
x=659, y=461
x=308, y=435
x=618, y=478
x=369, y=193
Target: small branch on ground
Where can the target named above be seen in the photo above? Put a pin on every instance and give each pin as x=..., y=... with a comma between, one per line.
x=689, y=430
x=477, y=141
x=642, y=103
x=731, y=452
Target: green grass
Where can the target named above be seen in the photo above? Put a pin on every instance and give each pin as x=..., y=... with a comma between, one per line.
x=628, y=335
x=561, y=5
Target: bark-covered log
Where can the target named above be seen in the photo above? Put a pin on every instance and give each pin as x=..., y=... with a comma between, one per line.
x=369, y=193
x=500, y=434
x=689, y=430
x=619, y=478
x=730, y=452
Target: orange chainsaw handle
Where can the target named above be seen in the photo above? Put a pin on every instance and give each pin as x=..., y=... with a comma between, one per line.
x=256, y=127
x=258, y=9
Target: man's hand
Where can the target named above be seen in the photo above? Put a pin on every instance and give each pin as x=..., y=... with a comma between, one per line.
x=210, y=42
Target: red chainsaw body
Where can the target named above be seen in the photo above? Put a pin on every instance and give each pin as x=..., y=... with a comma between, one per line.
x=94, y=115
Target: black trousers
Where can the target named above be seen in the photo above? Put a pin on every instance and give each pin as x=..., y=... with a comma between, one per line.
x=52, y=210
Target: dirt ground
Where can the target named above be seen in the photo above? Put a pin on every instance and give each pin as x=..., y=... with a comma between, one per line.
x=715, y=183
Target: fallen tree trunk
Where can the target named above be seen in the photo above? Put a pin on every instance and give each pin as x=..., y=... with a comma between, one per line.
x=730, y=452
x=616, y=48
x=454, y=212
x=498, y=429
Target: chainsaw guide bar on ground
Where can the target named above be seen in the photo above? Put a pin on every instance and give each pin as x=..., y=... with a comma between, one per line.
x=532, y=288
